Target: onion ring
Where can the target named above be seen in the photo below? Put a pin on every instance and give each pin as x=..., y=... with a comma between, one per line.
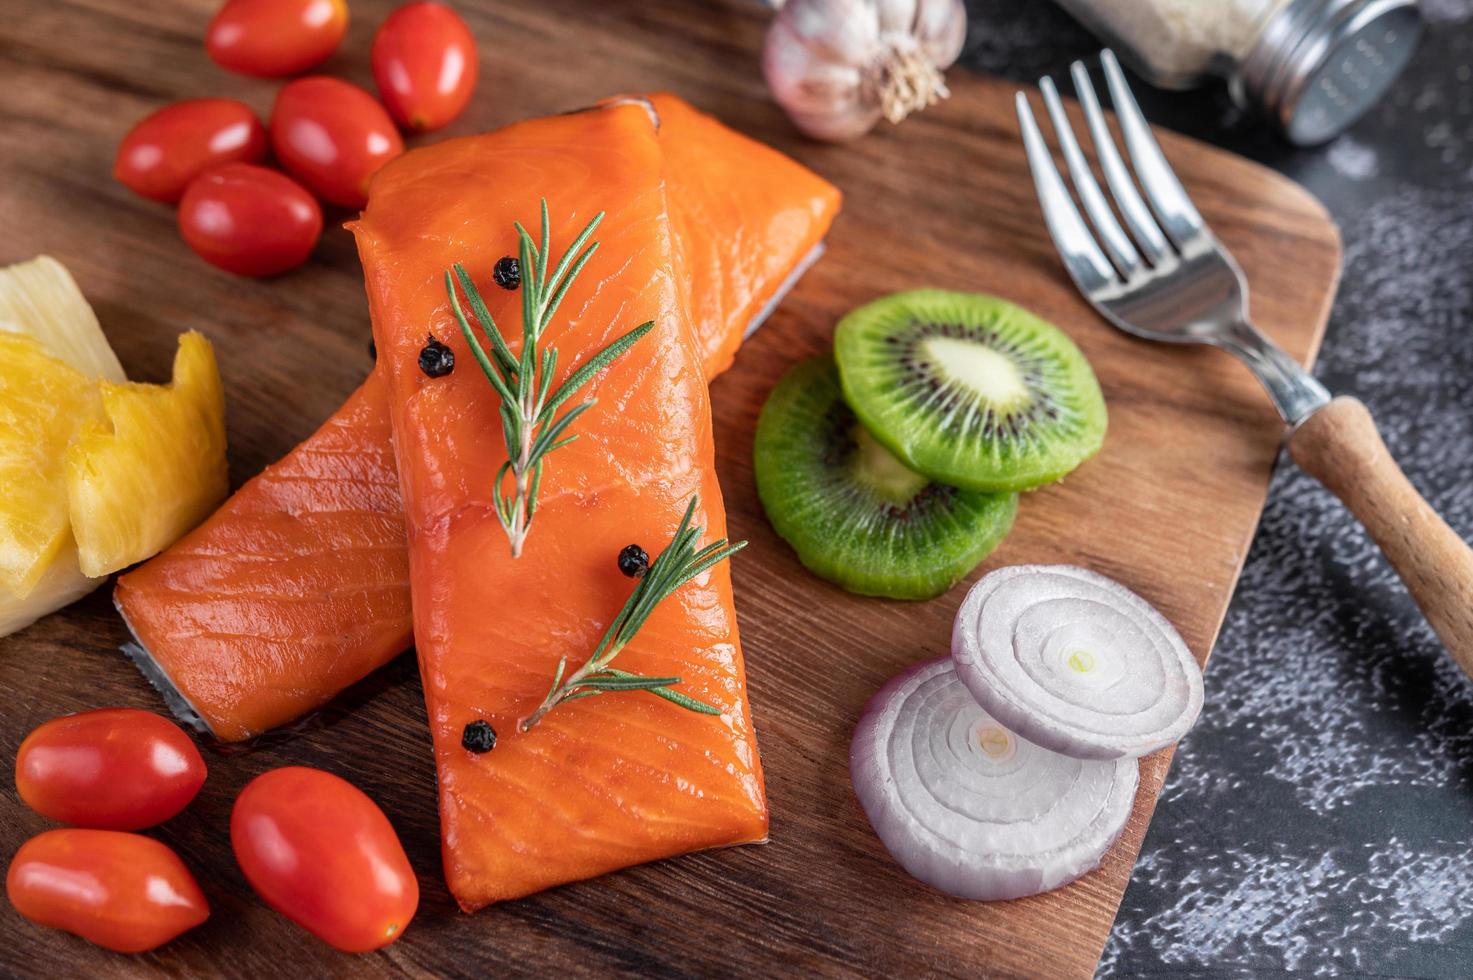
x=1075, y=662
x=969, y=808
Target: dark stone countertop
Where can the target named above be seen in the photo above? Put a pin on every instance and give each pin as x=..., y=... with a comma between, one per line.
x=1319, y=819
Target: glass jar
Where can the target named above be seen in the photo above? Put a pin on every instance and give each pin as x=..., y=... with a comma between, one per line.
x=1314, y=66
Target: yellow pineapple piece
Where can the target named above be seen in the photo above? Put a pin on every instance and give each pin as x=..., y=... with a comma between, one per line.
x=60, y=585
x=40, y=298
x=153, y=467
x=95, y=473
x=43, y=405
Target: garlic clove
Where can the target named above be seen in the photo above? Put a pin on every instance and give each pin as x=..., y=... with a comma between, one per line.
x=897, y=16
x=843, y=31
x=803, y=79
x=941, y=29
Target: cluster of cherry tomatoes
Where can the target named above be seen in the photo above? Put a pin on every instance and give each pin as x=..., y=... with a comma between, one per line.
x=329, y=135
x=314, y=846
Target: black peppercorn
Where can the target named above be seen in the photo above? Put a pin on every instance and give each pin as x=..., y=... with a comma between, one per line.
x=478, y=737
x=508, y=272
x=435, y=359
x=634, y=561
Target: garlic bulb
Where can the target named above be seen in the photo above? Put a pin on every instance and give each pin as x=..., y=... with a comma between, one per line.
x=837, y=66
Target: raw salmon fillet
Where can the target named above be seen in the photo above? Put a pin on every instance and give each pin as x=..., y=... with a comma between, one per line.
x=259, y=615
x=606, y=781
x=744, y=217
x=293, y=590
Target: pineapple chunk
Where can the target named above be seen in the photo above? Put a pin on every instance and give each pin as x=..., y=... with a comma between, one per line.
x=41, y=299
x=154, y=468
x=97, y=473
x=62, y=584
x=43, y=405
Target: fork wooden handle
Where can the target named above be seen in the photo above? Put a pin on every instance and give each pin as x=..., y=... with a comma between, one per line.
x=1339, y=446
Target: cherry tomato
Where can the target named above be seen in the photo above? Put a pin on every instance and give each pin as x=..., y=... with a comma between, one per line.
x=112, y=769
x=424, y=63
x=275, y=37
x=126, y=892
x=332, y=136
x=169, y=148
x=250, y=220
x=321, y=853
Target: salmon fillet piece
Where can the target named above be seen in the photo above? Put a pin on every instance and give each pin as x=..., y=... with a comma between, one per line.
x=293, y=590
x=744, y=216
x=258, y=616
x=621, y=778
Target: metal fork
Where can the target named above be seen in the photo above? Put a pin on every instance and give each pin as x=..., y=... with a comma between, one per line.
x=1169, y=279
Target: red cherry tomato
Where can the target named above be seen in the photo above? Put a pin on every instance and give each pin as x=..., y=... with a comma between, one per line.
x=321, y=853
x=126, y=892
x=275, y=37
x=112, y=769
x=332, y=136
x=424, y=63
x=250, y=220
x=169, y=148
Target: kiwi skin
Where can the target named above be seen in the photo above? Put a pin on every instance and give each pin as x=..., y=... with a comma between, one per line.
x=868, y=342
x=889, y=533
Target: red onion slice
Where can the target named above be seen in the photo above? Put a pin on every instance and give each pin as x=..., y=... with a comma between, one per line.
x=966, y=806
x=1075, y=662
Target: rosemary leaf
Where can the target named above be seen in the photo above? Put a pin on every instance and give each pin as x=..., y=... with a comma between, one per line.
x=477, y=351
x=524, y=381
x=685, y=701
x=573, y=249
x=714, y=559
x=504, y=356
x=595, y=364
x=542, y=250
x=508, y=429
x=605, y=682
x=562, y=289
x=581, y=693
x=530, y=326
x=663, y=690
x=551, y=433
x=673, y=567
x=549, y=365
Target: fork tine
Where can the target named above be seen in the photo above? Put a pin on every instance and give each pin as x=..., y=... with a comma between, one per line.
x=1087, y=265
x=1168, y=198
x=1111, y=235
x=1147, y=233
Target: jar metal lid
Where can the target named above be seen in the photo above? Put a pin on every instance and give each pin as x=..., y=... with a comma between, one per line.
x=1320, y=64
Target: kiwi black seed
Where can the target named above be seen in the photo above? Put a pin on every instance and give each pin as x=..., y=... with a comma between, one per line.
x=853, y=512
x=969, y=389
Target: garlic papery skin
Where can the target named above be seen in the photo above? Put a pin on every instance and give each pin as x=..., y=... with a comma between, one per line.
x=839, y=66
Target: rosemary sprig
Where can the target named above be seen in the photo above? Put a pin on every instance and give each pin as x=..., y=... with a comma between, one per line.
x=529, y=403
x=680, y=562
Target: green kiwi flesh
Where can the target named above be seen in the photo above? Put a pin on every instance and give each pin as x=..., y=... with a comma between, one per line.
x=853, y=512
x=969, y=389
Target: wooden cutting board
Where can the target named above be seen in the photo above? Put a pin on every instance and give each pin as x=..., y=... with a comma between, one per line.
x=1168, y=507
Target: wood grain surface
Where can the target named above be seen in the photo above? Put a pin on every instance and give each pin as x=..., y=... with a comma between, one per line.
x=1340, y=446
x=1168, y=507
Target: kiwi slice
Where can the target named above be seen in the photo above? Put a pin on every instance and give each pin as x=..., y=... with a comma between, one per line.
x=969, y=389
x=853, y=512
